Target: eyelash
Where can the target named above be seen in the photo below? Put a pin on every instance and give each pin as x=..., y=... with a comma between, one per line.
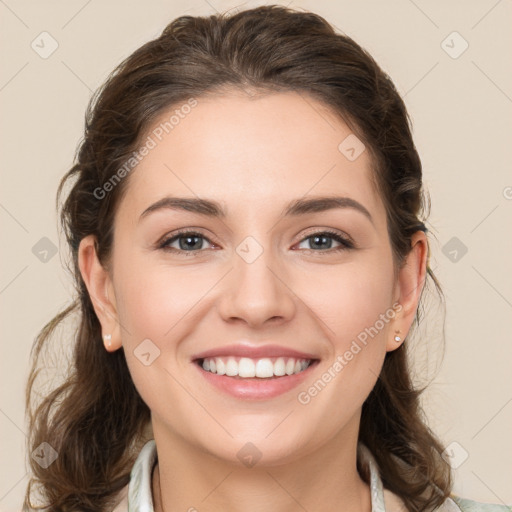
x=346, y=244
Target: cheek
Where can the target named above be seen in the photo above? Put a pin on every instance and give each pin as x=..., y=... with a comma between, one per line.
x=153, y=300
x=355, y=302
x=152, y=304
x=351, y=299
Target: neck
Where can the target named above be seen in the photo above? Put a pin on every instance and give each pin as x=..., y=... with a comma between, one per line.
x=326, y=479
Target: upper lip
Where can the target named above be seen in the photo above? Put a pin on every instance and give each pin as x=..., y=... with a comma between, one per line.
x=254, y=352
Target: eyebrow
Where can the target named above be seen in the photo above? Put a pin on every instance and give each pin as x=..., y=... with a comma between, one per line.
x=211, y=208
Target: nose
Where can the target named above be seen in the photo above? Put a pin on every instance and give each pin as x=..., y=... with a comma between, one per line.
x=257, y=293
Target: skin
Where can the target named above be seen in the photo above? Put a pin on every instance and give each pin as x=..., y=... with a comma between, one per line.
x=254, y=155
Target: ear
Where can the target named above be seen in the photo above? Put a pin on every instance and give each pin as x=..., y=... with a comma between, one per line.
x=410, y=282
x=101, y=291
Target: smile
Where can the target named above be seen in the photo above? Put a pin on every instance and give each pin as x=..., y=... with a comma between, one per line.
x=255, y=379
x=245, y=367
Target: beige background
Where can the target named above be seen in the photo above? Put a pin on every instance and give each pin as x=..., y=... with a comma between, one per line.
x=461, y=109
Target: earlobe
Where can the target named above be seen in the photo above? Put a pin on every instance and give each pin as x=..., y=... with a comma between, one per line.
x=98, y=283
x=411, y=279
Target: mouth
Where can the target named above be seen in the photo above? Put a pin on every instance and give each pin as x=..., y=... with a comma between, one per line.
x=247, y=368
x=255, y=379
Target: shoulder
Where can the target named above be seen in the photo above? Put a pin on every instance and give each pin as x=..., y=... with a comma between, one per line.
x=453, y=504
x=137, y=494
x=467, y=505
x=122, y=501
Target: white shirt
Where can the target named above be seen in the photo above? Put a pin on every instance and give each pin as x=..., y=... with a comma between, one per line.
x=137, y=495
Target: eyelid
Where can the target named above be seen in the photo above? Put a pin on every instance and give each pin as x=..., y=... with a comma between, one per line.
x=346, y=242
x=168, y=237
x=330, y=231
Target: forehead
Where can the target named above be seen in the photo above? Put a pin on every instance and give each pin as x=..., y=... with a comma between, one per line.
x=251, y=151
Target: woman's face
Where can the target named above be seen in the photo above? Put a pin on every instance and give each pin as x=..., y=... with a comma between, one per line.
x=259, y=282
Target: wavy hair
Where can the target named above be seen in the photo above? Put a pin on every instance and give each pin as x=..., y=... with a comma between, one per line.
x=95, y=419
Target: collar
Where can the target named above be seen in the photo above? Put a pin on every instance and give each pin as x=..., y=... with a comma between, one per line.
x=138, y=495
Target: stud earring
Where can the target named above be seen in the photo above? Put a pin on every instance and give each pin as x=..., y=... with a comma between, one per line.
x=108, y=340
x=397, y=338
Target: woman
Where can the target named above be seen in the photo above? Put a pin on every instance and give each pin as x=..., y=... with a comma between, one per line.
x=244, y=221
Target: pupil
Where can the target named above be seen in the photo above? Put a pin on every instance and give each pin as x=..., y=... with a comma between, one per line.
x=325, y=240
x=188, y=243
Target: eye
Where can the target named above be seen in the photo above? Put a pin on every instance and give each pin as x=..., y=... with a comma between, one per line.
x=184, y=241
x=323, y=240
x=193, y=242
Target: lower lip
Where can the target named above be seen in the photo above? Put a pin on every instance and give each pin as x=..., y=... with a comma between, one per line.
x=256, y=388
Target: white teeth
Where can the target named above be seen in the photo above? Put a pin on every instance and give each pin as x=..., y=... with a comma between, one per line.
x=280, y=367
x=221, y=368
x=264, y=368
x=290, y=366
x=231, y=367
x=247, y=368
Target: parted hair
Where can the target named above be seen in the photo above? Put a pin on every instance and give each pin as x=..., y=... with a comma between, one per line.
x=95, y=419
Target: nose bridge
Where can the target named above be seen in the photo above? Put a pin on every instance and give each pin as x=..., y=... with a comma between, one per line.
x=256, y=291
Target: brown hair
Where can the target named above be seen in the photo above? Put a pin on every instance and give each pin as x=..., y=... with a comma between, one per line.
x=96, y=419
